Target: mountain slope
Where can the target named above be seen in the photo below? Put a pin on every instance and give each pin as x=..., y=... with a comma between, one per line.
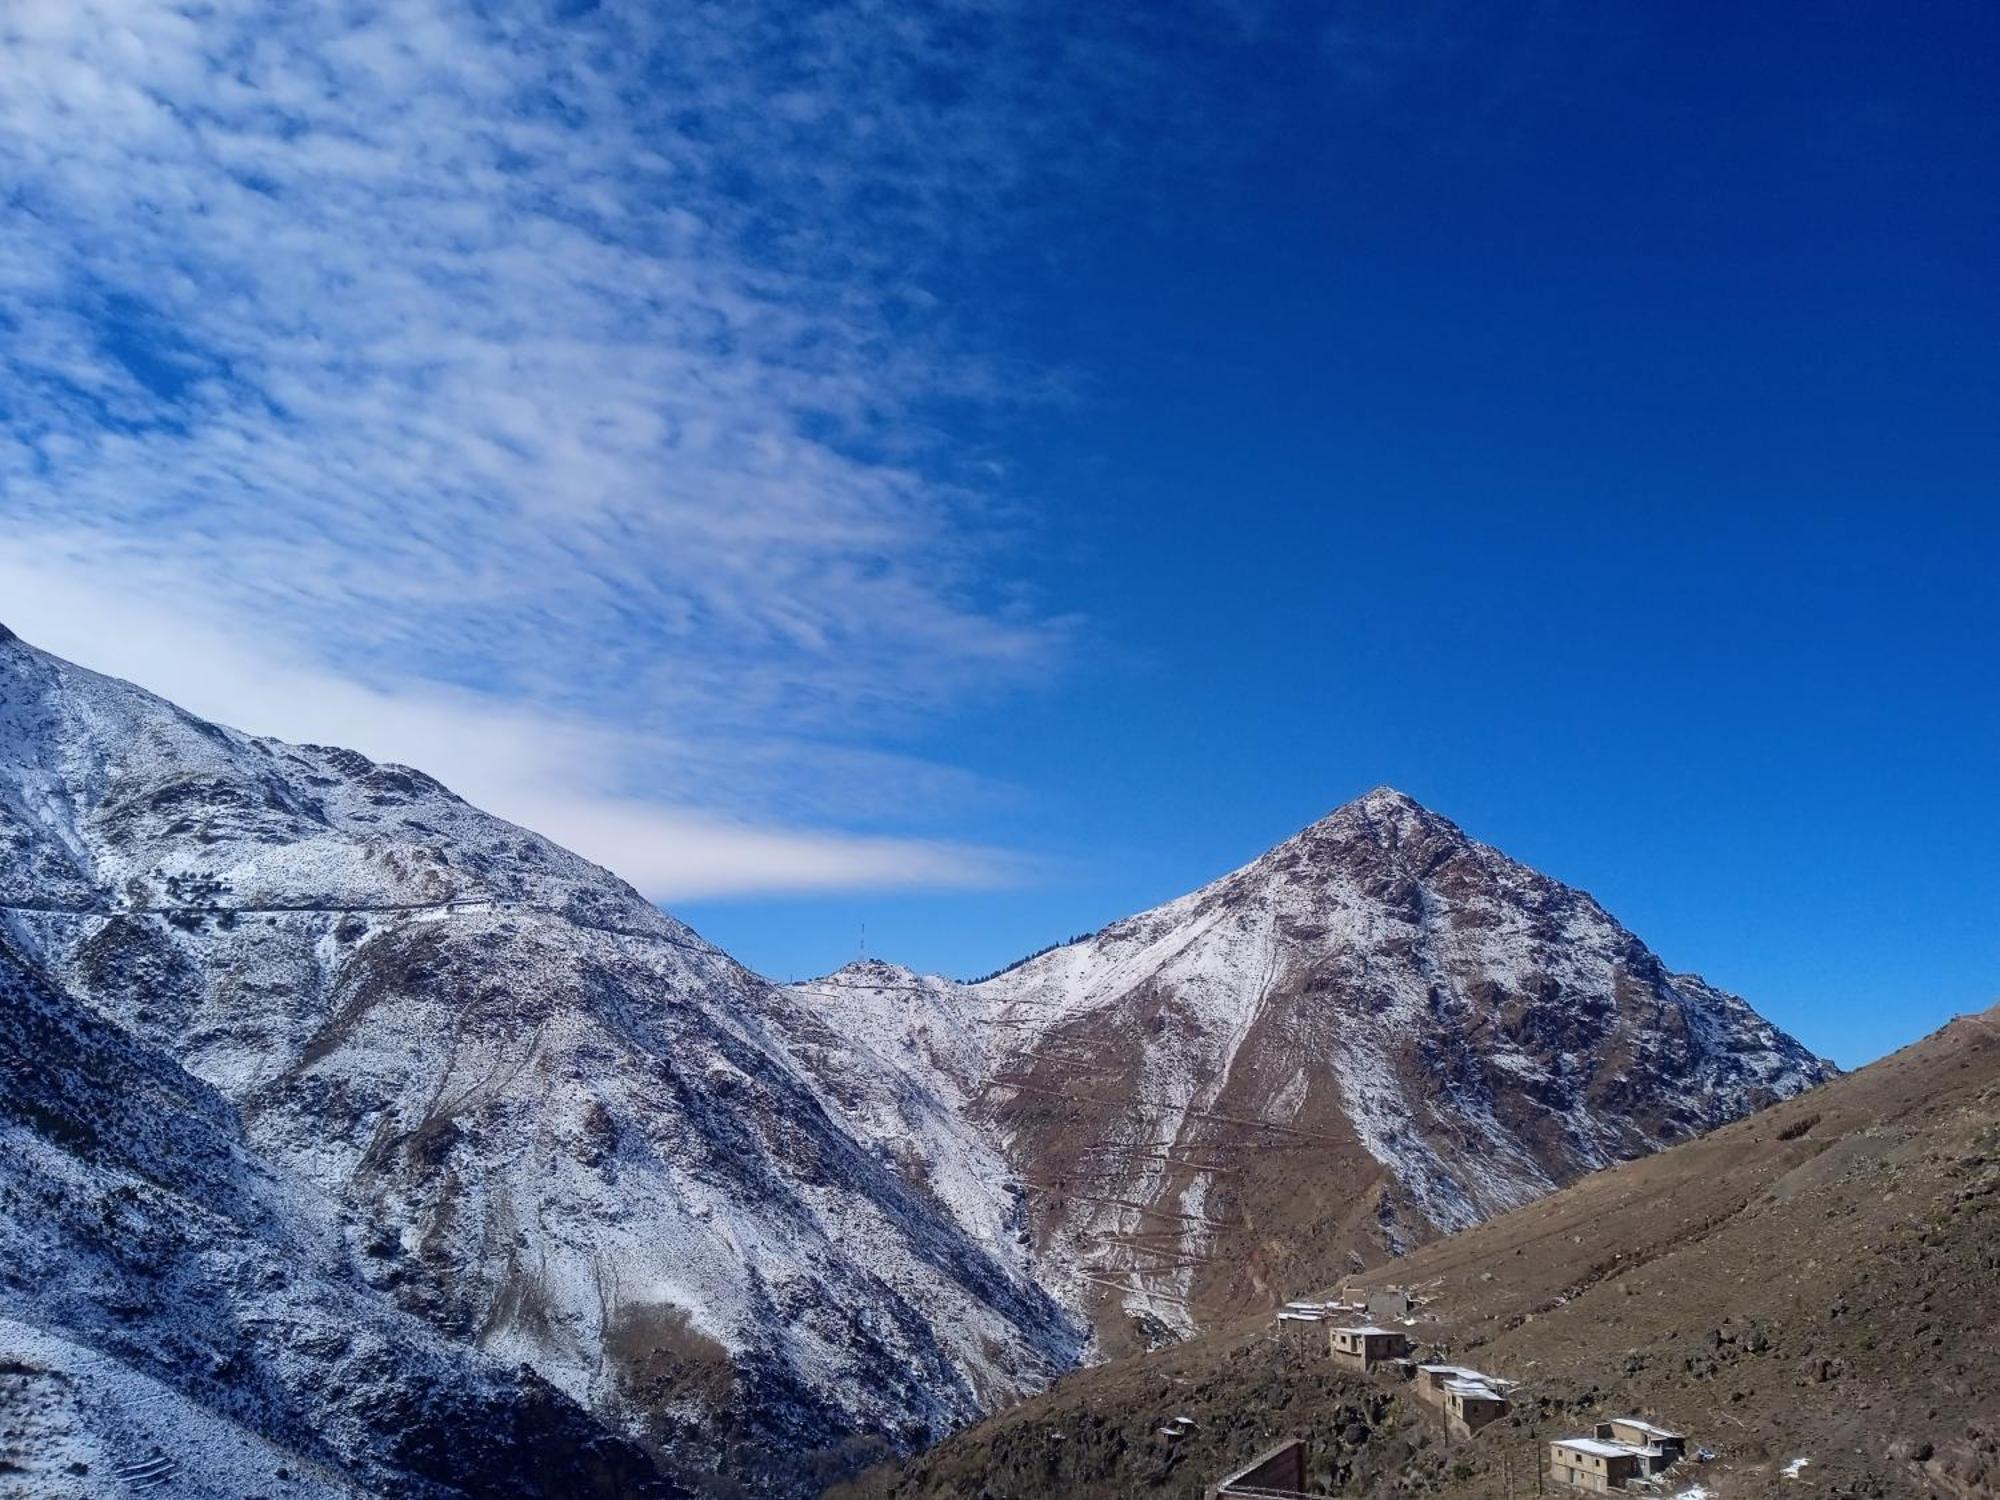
x=1820, y=1281
x=171, y=1311
x=769, y=1232
x=553, y=1123
x=1380, y=1025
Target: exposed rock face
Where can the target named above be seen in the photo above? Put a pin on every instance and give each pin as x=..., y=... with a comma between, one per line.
x=1817, y=1282
x=173, y=1312
x=1379, y=1026
x=480, y=1107
x=546, y=1119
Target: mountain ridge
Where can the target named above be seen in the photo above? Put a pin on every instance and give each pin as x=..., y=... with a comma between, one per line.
x=768, y=1232
x=552, y=1122
x=1377, y=1012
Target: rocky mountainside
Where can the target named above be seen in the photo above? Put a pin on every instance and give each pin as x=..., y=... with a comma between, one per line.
x=1378, y=1032
x=481, y=1098
x=545, y=1121
x=1811, y=1294
x=176, y=1318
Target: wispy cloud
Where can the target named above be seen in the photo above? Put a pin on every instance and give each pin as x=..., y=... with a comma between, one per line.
x=565, y=363
x=567, y=776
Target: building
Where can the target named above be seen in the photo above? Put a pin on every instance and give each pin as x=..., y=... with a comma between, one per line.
x=1622, y=1450
x=1364, y=1347
x=1663, y=1448
x=1431, y=1380
x=1382, y=1303
x=1393, y=1303
x=1470, y=1404
x=1469, y=1398
x=1591, y=1464
x=1276, y=1471
x=1301, y=1322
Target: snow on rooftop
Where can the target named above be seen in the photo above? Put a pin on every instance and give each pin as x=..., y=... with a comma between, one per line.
x=1647, y=1427
x=1466, y=1372
x=1599, y=1448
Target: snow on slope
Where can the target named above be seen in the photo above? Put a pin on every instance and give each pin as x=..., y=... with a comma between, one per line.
x=556, y=1124
x=901, y=1059
x=176, y=1319
x=1378, y=986
x=770, y=1230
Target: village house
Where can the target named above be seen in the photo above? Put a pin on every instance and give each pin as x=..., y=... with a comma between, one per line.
x=1622, y=1450
x=1300, y=1325
x=1364, y=1347
x=1300, y=1322
x=1469, y=1405
x=1470, y=1398
x=1380, y=1303
x=1392, y=1303
x=1589, y=1464
x=1663, y=1448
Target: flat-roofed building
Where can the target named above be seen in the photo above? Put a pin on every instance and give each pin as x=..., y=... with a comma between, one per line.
x=1622, y=1450
x=1588, y=1463
x=1663, y=1447
x=1365, y=1346
x=1430, y=1380
x=1470, y=1405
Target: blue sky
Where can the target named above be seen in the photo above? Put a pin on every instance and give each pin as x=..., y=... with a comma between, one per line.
x=976, y=469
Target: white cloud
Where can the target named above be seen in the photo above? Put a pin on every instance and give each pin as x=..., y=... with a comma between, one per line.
x=566, y=362
x=558, y=777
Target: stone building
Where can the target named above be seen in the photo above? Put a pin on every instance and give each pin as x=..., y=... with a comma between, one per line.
x=1621, y=1450
x=1366, y=1346
x=1469, y=1398
x=1591, y=1464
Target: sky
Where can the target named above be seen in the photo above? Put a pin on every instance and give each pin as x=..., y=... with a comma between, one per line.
x=939, y=477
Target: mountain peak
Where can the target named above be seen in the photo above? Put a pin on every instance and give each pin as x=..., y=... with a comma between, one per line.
x=1387, y=799
x=1370, y=816
x=872, y=971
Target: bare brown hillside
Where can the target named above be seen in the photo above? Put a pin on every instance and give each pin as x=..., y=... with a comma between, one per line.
x=1820, y=1281
x=1379, y=1032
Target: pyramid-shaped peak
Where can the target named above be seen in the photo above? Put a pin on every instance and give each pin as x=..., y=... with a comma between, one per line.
x=1383, y=817
x=1383, y=804
x=1387, y=799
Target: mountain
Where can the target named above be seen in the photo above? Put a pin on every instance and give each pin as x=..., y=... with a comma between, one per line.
x=1378, y=1032
x=546, y=1162
x=1819, y=1282
x=174, y=1317
x=526, y=1109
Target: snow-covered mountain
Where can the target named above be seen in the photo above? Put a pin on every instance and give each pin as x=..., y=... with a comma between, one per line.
x=414, y=1121
x=533, y=1111
x=1378, y=1032
x=177, y=1319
